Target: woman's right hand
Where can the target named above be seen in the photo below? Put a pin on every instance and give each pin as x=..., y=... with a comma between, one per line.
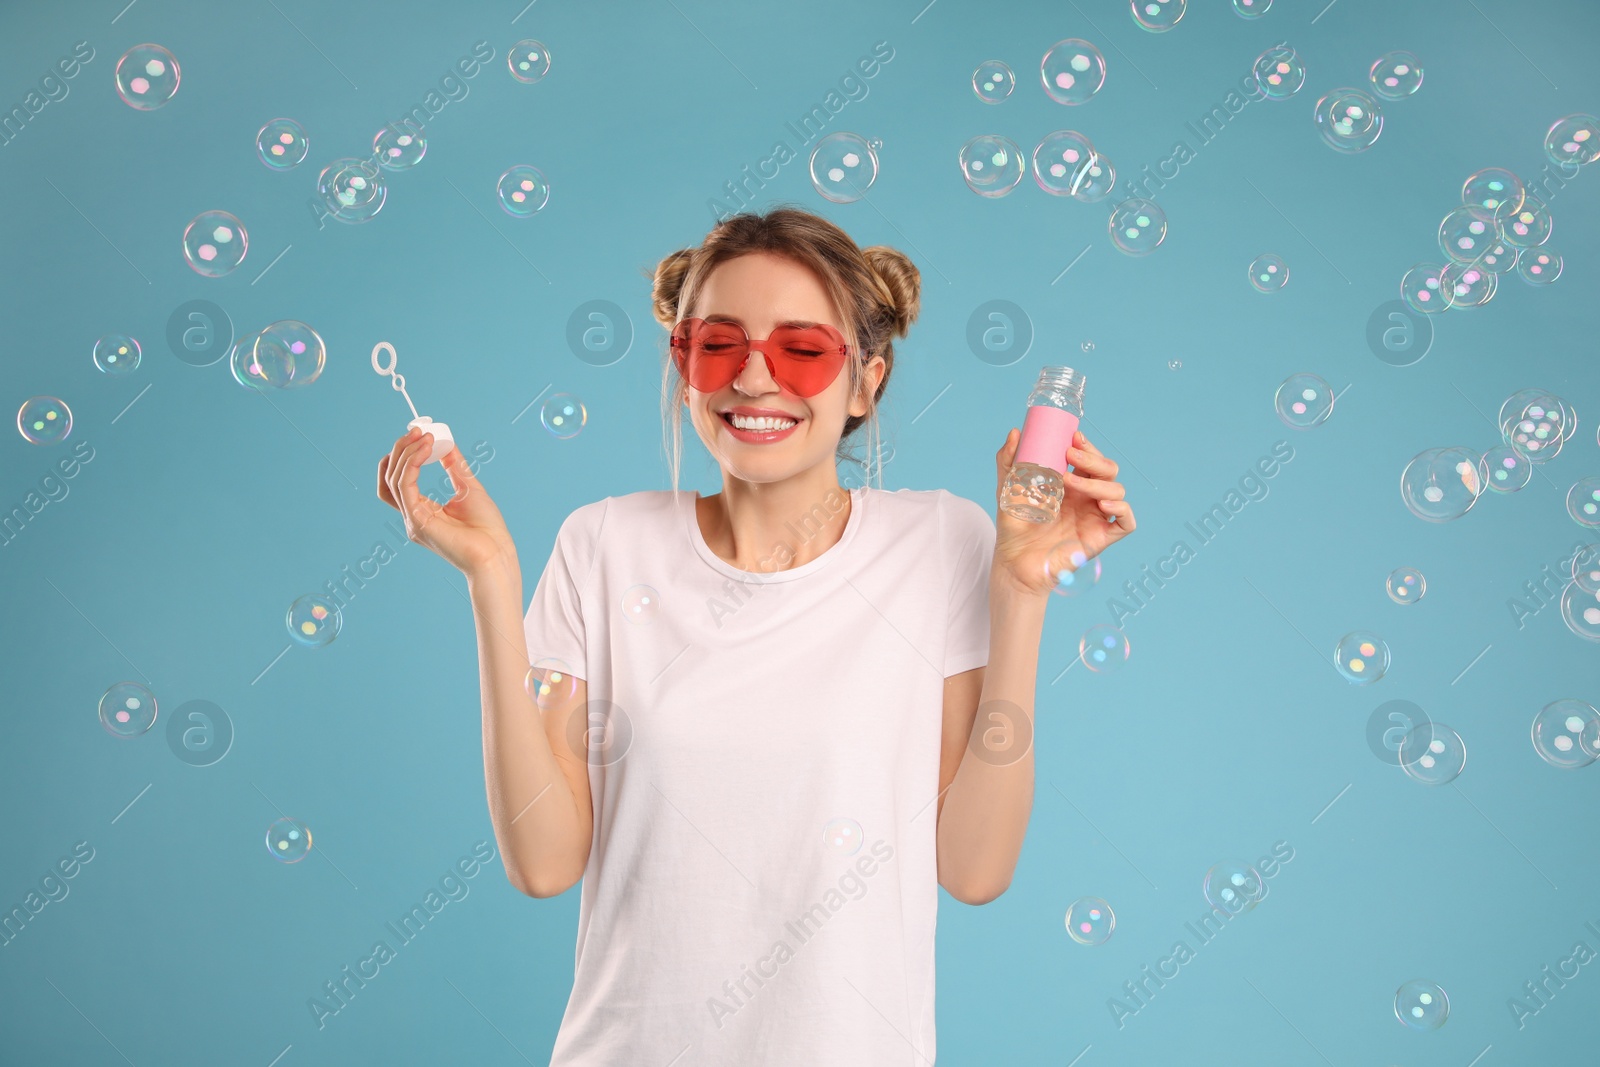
x=467, y=530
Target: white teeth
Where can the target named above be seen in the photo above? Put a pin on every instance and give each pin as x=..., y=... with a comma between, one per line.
x=765, y=423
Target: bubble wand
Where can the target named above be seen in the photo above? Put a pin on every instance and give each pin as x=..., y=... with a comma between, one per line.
x=442, y=440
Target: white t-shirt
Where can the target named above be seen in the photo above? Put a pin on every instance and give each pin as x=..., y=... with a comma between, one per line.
x=763, y=758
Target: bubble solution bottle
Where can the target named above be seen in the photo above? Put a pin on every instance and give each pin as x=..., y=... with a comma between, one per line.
x=1034, y=488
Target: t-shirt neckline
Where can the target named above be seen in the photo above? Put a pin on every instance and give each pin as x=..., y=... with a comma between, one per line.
x=858, y=498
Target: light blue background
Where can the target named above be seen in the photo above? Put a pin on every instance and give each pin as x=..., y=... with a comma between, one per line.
x=206, y=511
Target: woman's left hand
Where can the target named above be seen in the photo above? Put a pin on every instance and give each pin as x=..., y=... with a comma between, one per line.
x=1094, y=513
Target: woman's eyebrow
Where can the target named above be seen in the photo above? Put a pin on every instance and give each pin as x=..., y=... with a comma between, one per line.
x=799, y=324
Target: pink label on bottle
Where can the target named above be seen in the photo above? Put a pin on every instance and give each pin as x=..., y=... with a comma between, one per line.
x=1046, y=433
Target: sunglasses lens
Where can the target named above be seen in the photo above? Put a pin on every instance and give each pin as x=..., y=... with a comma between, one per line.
x=711, y=354
x=809, y=359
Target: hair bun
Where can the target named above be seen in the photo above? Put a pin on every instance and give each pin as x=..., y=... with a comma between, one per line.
x=668, y=284
x=899, y=283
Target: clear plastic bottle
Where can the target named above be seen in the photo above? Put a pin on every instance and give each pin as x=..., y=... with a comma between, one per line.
x=1033, y=488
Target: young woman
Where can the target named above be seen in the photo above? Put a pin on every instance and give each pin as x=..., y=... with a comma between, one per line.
x=789, y=712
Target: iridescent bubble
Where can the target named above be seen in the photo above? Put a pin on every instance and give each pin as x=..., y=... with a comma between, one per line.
x=993, y=81
x=1443, y=755
x=1515, y=406
x=147, y=77
x=1061, y=162
x=1396, y=75
x=1583, y=502
x=1505, y=469
x=1137, y=226
x=992, y=165
x=1422, y=291
x=1251, y=9
x=1103, y=648
x=399, y=146
x=551, y=683
x=1268, y=273
x=44, y=420
x=288, y=840
x=1361, y=657
x=1349, y=120
x=250, y=372
x=1573, y=139
x=1539, y=266
x=1303, y=400
x=214, y=243
x=1421, y=1005
x=1070, y=569
x=1537, y=434
x=842, y=836
x=1087, y=346
x=116, y=353
x=1589, y=740
x=282, y=143
x=314, y=620
x=522, y=191
x=1406, y=585
x=1529, y=225
x=1493, y=193
x=1467, y=285
x=1586, y=568
x=529, y=61
x=1072, y=71
x=1157, y=16
x=1498, y=257
x=1234, y=886
x=1090, y=921
x=127, y=709
x=640, y=604
x=1464, y=235
x=563, y=415
x=1580, y=610
x=843, y=167
x=1279, y=72
x=294, y=352
x=353, y=189
x=1558, y=729
x=1441, y=484
x=1099, y=177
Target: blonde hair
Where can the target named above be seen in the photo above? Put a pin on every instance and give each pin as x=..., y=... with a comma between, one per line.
x=877, y=290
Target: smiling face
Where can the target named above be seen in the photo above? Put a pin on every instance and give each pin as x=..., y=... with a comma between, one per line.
x=760, y=291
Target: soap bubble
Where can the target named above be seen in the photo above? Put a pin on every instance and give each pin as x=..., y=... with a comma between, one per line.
x=551, y=683
x=1268, y=273
x=1070, y=569
x=1251, y=9
x=1464, y=234
x=314, y=620
x=992, y=165
x=1103, y=648
x=563, y=415
x=1421, y=1005
x=1137, y=226
x=1406, y=585
x=1279, y=72
x=842, y=836
x=1061, y=161
x=1421, y=289
x=127, y=709
x=1467, y=285
x=1096, y=180
x=844, y=166
x=1573, y=139
x=1441, y=484
x=1303, y=400
x=1583, y=502
x=522, y=191
x=147, y=77
x=295, y=352
x=1586, y=568
x=1580, y=610
x=353, y=189
x=44, y=420
x=214, y=243
x=1361, y=657
x=1505, y=469
x=1493, y=193
x=1072, y=71
x=1530, y=224
x=1396, y=75
x=1349, y=120
x=1498, y=257
x=1158, y=16
x=529, y=61
x=1443, y=755
x=993, y=81
x=116, y=354
x=399, y=146
x=1557, y=730
x=1090, y=921
x=1234, y=886
x=288, y=840
x=640, y=604
x=249, y=372
x=282, y=143
x=1539, y=266
x=1536, y=434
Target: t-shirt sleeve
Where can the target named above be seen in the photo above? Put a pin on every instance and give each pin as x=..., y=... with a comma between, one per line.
x=968, y=535
x=553, y=626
